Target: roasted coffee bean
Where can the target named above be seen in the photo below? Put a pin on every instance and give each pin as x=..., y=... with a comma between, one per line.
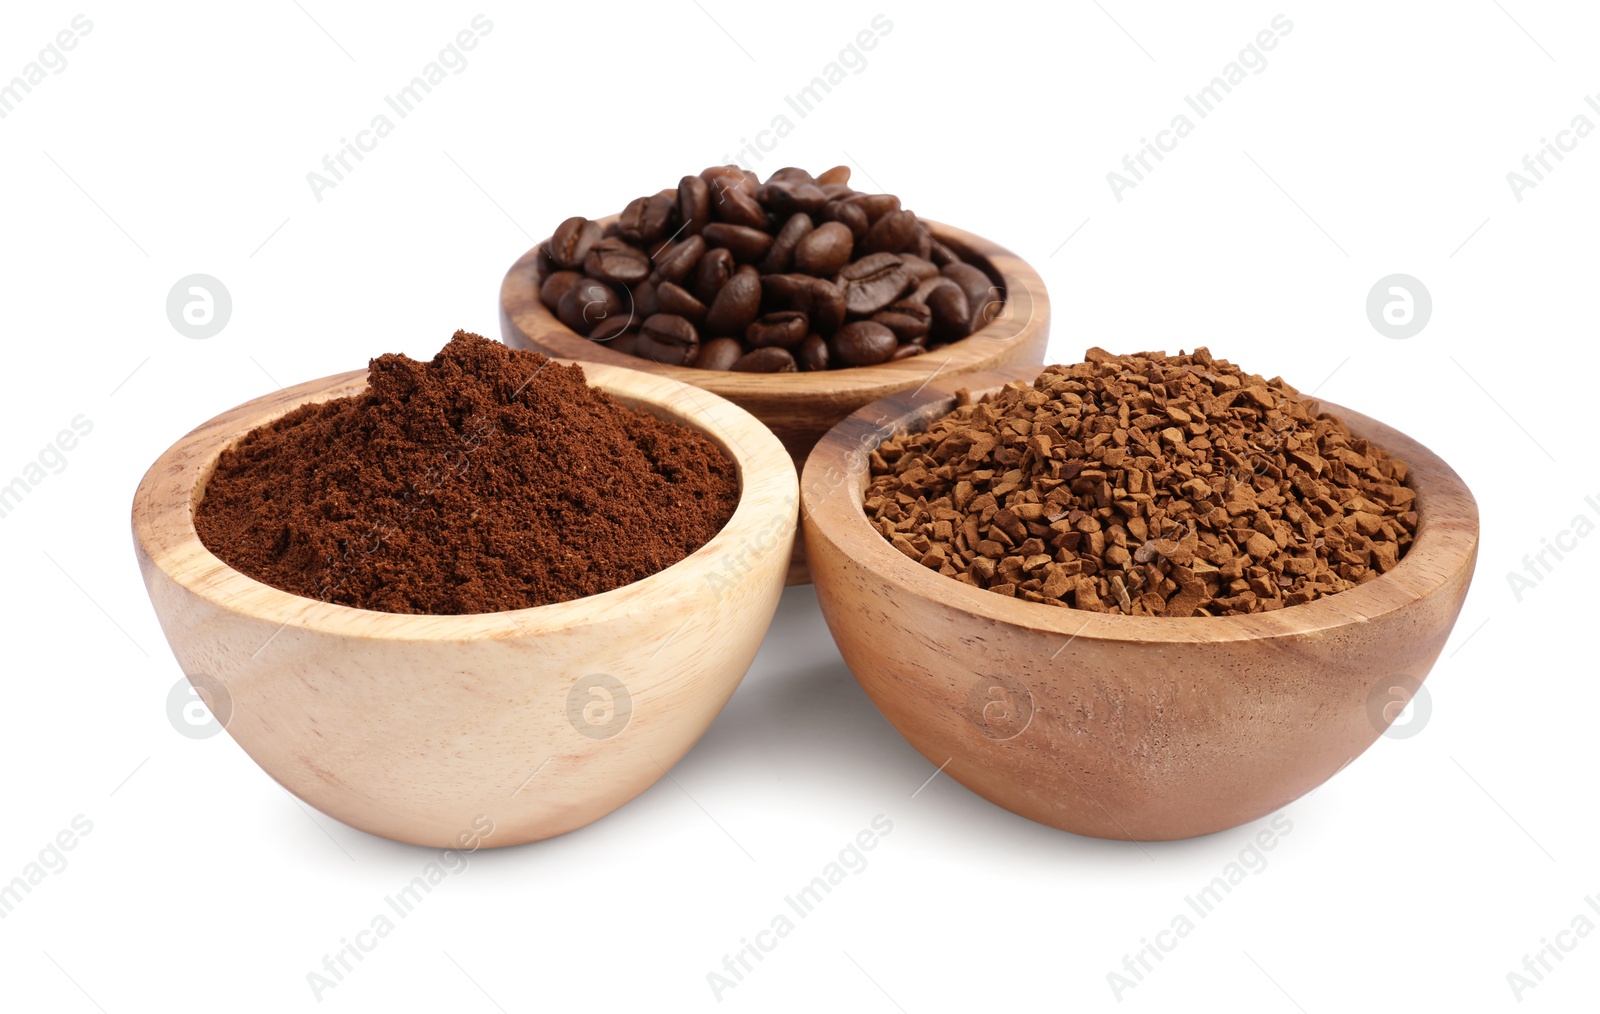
x=668, y=339
x=657, y=249
x=851, y=216
x=543, y=266
x=586, y=304
x=766, y=360
x=555, y=285
x=727, y=176
x=952, y=314
x=712, y=273
x=862, y=343
x=786, y=328
x=733, y=204
x=813, y=354
x=838, y=174
x=889, y=234
x=783, y=197
x=921, y=244
x=694, y=204
x=875, y=205
x=979, y=289
x=919, y=268
x=940, y=254
x=835, y=191
x=746, y=244
x=570, y=243
x=647, y=218
x=646, y=297
x=825, y=250
x=785, y=291
x=675, y=262
x=781, y=254
x=718, y=354
x=626, y=343
x=612, y=326
x=790, y=174
x=908, y=321
x=825, y=304
x=872, y=283
x=736, y=304
x=906, y=352
x=924, y=287
x=615, y=260
x=677, y=300
x=658, y=214
x=630, y=224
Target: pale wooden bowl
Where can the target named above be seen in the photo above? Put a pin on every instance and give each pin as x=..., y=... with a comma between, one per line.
x=423, y=728
x=801, y=407
x=1127, y=727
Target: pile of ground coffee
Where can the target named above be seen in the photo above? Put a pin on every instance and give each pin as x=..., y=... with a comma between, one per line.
x=1146, y=484
x=487, y=479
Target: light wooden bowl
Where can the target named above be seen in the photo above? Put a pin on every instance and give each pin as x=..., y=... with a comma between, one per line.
x=1117, y=726
x=425, y=728
x=801, y=407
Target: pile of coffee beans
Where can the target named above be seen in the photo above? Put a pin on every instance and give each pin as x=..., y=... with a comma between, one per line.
x=725, y=272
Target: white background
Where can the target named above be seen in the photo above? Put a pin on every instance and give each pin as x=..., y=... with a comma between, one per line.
x=1376, y=140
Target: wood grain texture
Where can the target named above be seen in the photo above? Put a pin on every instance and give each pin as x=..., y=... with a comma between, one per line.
x=1116, y=726
x=801, y=407
x=418, y=728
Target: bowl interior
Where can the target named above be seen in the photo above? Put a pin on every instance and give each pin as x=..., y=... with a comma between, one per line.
x=164, y=507
x=837, y=475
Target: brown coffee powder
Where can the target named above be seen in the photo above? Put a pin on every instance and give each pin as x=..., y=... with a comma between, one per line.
x=1146, y=484
x=487, y=479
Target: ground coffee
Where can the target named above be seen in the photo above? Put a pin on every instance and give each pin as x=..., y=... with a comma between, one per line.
x=724, y=272
x=1146, y=484
x=484, y=480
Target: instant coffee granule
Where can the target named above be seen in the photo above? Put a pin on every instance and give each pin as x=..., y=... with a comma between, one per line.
x=486, y=479
x=1148, y=485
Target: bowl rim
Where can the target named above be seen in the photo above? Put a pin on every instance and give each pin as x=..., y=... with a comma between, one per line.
x=527, y=323
x=835, y=477
x=166, y=540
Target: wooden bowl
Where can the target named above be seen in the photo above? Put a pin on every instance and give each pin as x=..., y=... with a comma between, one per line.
x=1127, y=727
x=801, y=407
x=425, y=729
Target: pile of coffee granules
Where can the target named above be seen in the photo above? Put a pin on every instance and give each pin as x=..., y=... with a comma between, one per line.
x=1148, y=485
x=487, y=479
